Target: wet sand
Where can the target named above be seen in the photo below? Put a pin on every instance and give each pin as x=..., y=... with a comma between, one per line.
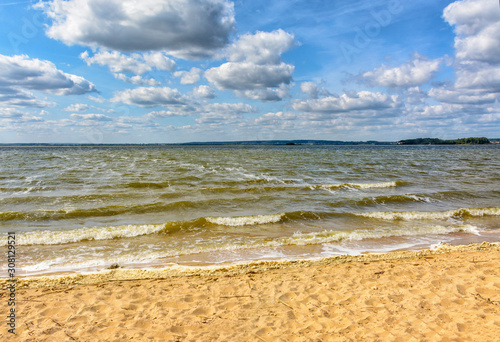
x=447, y=294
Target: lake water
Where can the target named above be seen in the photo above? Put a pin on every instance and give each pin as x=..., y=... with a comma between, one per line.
x=82, y=209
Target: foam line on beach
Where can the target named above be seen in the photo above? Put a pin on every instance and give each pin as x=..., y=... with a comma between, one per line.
x=228, y=270
x=297, y=239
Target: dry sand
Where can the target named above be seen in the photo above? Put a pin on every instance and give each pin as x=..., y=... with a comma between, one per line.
x=448, y=294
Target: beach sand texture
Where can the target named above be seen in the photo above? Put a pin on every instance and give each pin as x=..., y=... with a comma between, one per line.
x=448, y=294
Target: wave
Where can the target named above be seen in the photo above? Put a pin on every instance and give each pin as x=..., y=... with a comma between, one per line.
x=66, y=199
x=139, y=185
x=364, y=234
x=25, y=190
x=393, y=199
x=125, y=231
x=359, y=185
x=297, y=239
x=48, y=237
x=433, y=215
x=112, y=210
x=293, y=186
x=245, y=220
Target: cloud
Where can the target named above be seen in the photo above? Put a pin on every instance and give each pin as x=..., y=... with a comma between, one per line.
x=10, y=113
x=229, y=108
x=255, y=66
x=477, y=44
x=204, y=91
x=92, y=117
x=209, y=113
x=159, y=61
x=416, y=72
x=437, y=112
x=77, y=107
x=224, y=113
x=478, y=75
x=189, y=77
x=245, y=76
x=477, y=60
x=269, y=119
x=137, y=80
x=490, y=118
x=135, y=63
x=313, y=90
x=261, y=47
x=364, y=100
x=151, y=96
x=415, y=95
x=167, y=113
x=15, y=96
x=98, y=99
x=185, y=28
x=20, y=73
x=477, y=24
x=265, y=94
x=461, y=96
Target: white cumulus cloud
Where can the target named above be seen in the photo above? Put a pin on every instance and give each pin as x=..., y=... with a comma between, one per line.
x=477, y=27
x=92, y=117
x=261, y=47
x=255, y=66
x=184, y=28
x=416, y=72
x=313, y=90
x=364, y=100
x=77, y=107
x=22, y=72
x=189, y=77
x=137, y=80
x=245, y=76
x=150, y=96
x=204, y=91
x=135, y=63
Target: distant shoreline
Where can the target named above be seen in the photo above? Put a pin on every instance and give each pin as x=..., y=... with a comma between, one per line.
x=419, y=141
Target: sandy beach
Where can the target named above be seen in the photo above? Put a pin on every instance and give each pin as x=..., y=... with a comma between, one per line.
x=446, y=294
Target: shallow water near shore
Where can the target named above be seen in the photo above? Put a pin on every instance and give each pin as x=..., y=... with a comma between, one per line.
x=82, y=209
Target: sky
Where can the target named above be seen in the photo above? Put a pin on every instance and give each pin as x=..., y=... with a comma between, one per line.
x=173, y=71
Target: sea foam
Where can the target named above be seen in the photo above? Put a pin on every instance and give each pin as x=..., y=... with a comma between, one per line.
x=245, y=220
x=47, y=237
x=437, y=215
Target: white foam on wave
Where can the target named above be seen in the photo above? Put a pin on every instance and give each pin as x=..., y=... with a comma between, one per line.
x=359, y=185
x=63, y=265
x=433, y=215
x=48, y=237
x=420, y=198
x=363, y=234
x=146, y=256
x=245, y=220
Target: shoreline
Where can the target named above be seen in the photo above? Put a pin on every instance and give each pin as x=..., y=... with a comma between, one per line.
x=451, y=293
x=111, y=275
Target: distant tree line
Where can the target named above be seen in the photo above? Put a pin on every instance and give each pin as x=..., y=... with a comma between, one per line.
x=436, y=141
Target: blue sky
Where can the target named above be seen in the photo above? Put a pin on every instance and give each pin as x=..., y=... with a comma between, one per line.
x=166, y=71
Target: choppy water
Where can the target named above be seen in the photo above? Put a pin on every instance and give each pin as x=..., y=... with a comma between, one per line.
x=81, y=209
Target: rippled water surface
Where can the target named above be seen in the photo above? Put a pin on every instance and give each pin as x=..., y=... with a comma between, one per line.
x=81, y=209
